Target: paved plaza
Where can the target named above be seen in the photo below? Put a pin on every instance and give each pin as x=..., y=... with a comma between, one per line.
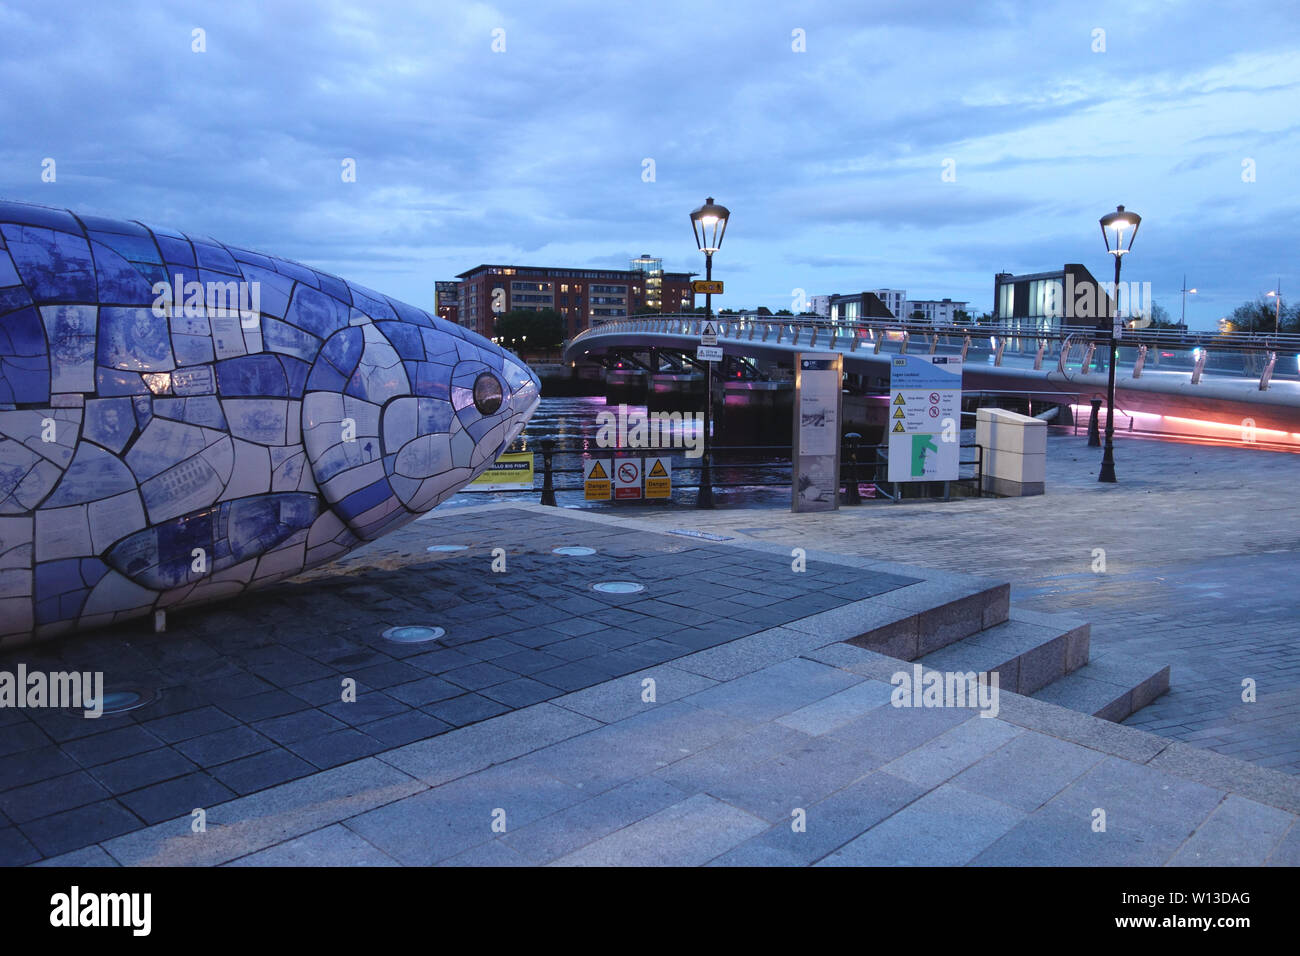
x=716, y=717
x=1202, y=571
x=249, y=690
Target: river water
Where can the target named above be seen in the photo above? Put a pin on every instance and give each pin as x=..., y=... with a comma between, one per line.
x=753, y=478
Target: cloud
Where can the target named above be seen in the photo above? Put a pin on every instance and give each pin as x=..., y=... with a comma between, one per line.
x=831, y=159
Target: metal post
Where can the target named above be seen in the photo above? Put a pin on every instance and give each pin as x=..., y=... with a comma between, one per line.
x=704, y=496
x=1108, y=455
x=1094, y=436
x=852, y=496
x=548, y=485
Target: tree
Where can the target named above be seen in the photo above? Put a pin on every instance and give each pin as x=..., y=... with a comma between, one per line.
x=960, y=317
x=1256, y=316
x=645, y=310
x=784, y=312
x=543, y=329
x=1159, y=317
x=763, y=310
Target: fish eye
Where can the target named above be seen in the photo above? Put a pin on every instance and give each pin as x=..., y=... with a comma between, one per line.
x=487, y=394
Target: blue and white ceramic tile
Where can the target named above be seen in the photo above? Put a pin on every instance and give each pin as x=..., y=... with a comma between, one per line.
x=161, y=449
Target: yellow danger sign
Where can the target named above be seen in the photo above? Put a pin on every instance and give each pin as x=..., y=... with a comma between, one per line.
x=899, y=399
x=898, y=413
x=658, y=478
x=596, y=485
x=898, y=427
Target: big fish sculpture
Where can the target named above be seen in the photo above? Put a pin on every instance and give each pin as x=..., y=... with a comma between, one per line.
x=181, y=420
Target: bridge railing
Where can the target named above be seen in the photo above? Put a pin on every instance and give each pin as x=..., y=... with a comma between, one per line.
x=752, y=326
x=1070, y=348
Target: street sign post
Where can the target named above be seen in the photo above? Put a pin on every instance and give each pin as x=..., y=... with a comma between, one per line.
x=712, y=286
x=709, y=353
x=709, y=334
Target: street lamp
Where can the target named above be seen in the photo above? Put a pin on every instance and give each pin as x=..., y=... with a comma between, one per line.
x=1117, y=222
x=1183, y=320
x=1277, y=313
x=709, y=223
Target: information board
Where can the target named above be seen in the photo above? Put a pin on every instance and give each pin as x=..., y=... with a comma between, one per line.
x=924, y=418
x=817, y=413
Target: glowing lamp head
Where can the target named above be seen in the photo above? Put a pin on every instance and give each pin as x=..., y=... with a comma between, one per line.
x=1115, y=228
x=709, y=224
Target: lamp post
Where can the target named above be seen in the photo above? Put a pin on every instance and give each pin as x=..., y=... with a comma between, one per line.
x=1277, y=312
x=1115, y=222
x=709, y=223
x=1183, y=320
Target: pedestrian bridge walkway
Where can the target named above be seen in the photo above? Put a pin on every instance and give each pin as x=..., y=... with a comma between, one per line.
x=1234, y=387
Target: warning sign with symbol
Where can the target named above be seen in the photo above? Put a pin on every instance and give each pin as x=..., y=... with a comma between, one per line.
x=924, y=441
x=595, y=479
x=658, y=478
x=627, y=478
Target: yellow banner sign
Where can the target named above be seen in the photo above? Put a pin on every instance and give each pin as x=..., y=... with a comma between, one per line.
x=513, y=472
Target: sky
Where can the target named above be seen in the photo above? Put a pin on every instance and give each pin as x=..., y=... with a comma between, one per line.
x=923, y=145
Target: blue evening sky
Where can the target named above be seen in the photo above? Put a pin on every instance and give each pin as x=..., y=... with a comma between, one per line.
x=831, y=159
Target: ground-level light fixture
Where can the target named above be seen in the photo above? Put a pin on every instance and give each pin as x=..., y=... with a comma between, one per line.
x=413, y=634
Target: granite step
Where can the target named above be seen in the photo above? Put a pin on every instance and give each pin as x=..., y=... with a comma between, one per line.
x=914, y=621
x=1027, y=654
x=1112, y=687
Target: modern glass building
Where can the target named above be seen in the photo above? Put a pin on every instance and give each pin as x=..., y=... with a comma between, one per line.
x=1045, y=301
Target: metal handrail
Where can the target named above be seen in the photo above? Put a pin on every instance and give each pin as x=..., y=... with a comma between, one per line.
x=689, y=324
x=781, y=456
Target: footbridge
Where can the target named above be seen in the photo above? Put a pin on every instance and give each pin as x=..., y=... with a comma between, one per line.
x=1233, y=387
